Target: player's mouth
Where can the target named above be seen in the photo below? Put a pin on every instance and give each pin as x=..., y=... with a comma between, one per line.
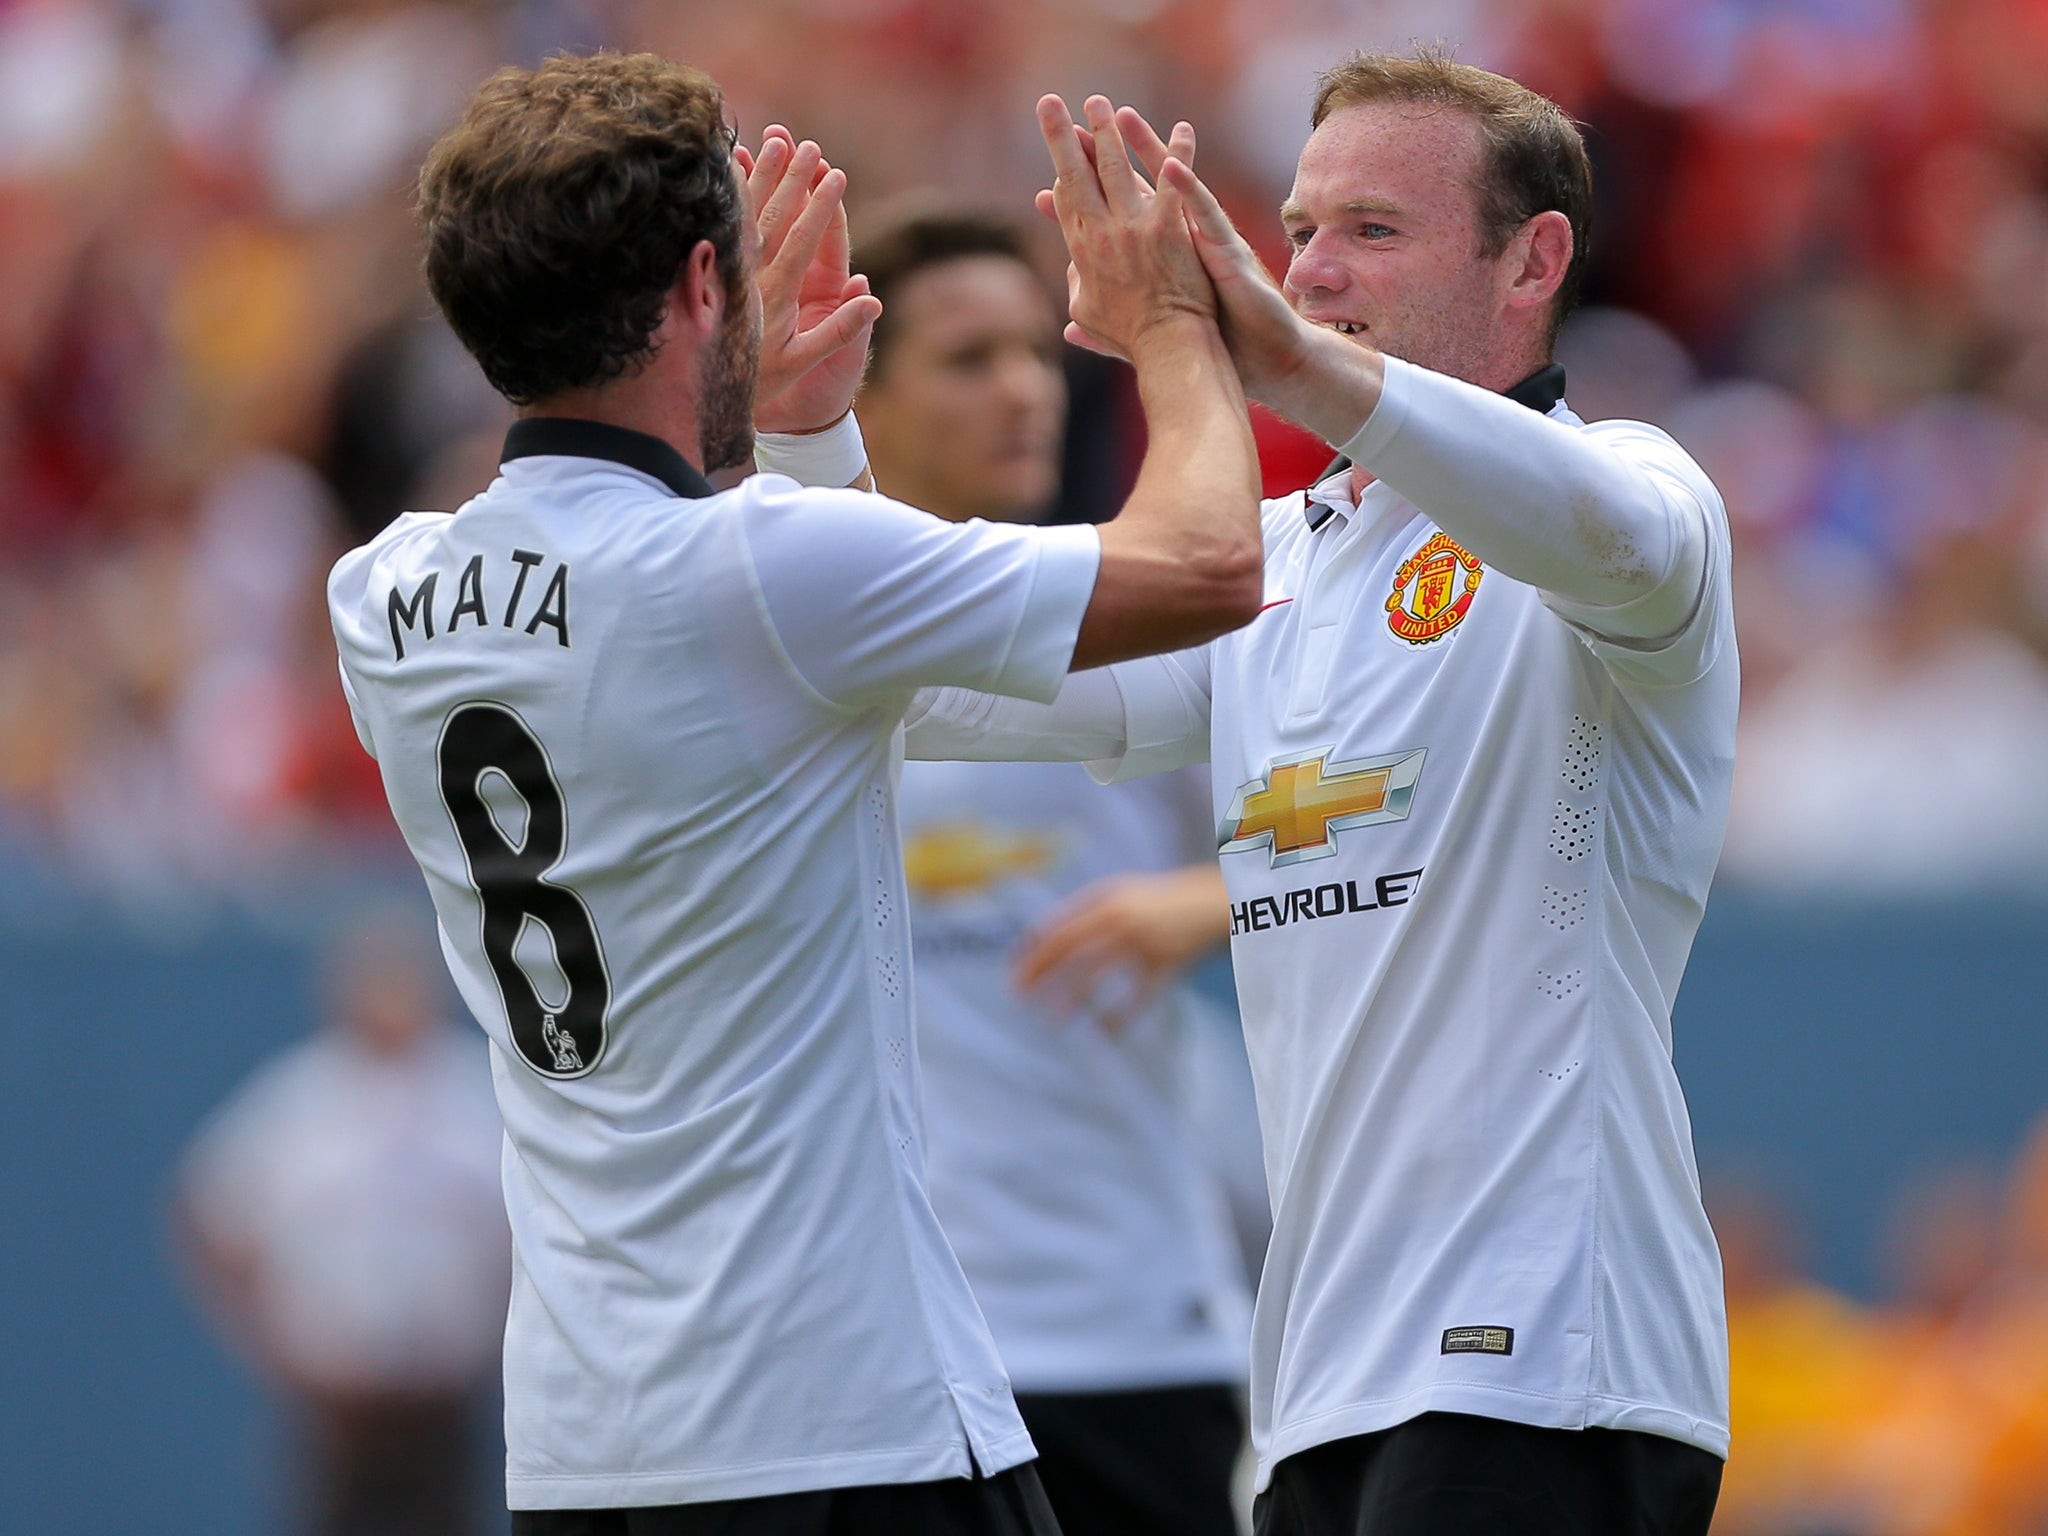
x=1347, y=327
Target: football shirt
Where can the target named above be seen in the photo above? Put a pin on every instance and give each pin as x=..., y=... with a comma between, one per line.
x=1468, y=821
x=643, y=741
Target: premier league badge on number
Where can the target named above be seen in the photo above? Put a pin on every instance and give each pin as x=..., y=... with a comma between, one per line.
x=1433, y=591
x=560, y=1045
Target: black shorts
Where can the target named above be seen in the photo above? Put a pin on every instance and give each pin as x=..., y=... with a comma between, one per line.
x=1150, y=1463
x=1008, y=1504
x=1454, y=1474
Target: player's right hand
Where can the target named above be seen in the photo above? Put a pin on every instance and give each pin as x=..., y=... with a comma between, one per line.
x=1134, y=263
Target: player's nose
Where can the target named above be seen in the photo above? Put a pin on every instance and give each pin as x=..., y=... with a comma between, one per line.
x=1314, y=270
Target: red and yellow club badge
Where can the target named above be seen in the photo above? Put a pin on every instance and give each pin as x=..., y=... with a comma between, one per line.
x=1433, y=590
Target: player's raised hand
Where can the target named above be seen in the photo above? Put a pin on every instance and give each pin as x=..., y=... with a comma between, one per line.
x=1140, y=930
x=816, y=317
x=1134, y=264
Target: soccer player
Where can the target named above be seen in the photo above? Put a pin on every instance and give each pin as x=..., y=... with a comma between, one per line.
x=1061, y=1159
x=641, y=739
x=1471, y=765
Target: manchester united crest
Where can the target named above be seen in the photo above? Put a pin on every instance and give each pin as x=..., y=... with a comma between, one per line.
x=1433, y=590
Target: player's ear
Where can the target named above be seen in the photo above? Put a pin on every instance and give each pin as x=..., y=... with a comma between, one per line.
x=697, y=302
x=1537, y=258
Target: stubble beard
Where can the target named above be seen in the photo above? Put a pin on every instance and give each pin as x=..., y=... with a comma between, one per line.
x=726, y=438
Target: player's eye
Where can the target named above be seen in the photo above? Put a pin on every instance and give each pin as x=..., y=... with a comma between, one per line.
x=1298, y=238
x=1377, y=231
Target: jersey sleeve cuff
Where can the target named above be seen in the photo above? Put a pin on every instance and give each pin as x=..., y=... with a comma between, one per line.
x=1063, y=581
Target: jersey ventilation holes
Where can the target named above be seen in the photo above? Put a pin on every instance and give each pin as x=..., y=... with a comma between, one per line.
x=1582, y=754
x=1563, y=910
x=1571, y=831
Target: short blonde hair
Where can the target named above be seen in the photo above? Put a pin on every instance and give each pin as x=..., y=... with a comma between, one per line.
x=1535, y=158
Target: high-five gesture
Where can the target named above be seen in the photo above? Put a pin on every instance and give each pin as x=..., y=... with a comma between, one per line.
x=1133, y=263
x=816, y=316
x=1306, y=372
x=1183, y=556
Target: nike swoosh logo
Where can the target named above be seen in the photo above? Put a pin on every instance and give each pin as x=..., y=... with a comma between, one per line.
x=1274, y=604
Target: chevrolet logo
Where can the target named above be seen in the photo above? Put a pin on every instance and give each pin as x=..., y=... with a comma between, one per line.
x=1297, y=808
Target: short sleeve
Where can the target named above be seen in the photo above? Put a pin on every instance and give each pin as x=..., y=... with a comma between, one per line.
x=868, y=597
x=224, y=1174
x=355, y=710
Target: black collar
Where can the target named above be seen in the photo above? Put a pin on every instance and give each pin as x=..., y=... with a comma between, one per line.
x=1541, y=392
x=569, y=437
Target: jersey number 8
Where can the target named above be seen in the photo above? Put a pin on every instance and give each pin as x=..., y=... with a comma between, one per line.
x=510, y=879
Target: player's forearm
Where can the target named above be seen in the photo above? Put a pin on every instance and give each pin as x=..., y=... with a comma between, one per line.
x=1197, y=905
x=1317, y=379
x=1182, y=562
x=1542, y=501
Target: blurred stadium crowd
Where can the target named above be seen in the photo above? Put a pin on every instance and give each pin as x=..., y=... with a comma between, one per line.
x=1821, y=263
x=1928, y=1414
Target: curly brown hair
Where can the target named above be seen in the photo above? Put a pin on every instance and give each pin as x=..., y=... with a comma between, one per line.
x=1536, y=159
x=559, y=210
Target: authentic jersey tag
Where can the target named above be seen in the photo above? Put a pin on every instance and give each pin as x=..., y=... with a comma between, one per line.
x=1433, y=590
x=1479, y=1341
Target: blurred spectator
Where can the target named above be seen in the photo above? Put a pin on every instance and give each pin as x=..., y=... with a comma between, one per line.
x=343, y=1219
x=1899, y=754
x=1619, y=363
x=1919, y=1446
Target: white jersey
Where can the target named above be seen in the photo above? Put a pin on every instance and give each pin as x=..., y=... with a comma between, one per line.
x=1061, y=1160
x=1468, y=835
x=643, y=741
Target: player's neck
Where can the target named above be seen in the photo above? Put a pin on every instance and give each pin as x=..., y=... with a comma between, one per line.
x=1525, y=353
x=658, y=406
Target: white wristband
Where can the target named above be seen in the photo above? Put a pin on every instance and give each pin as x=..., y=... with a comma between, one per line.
x=832, y=458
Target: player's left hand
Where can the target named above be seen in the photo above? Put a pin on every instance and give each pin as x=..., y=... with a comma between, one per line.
x=816, y=316
x=1140, y=929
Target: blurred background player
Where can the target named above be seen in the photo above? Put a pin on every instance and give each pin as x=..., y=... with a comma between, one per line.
x=343, y=1221
x=1060, y=1159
